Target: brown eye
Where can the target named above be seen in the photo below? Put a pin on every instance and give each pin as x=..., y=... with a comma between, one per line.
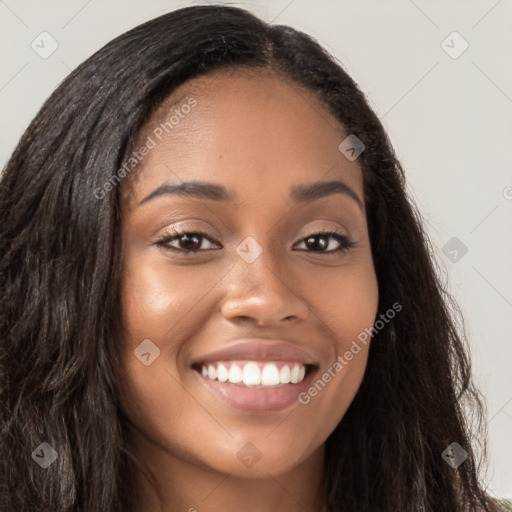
x=330, y=242
x=187, y=242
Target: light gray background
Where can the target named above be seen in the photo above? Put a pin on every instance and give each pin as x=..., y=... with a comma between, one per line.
x=449, y=120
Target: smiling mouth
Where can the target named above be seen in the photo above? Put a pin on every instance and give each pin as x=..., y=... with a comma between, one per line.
x=255, y=374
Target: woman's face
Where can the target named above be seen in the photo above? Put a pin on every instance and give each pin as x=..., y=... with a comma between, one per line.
x=263, y=297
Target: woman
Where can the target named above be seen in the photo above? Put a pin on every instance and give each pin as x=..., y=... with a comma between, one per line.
x=217, y=294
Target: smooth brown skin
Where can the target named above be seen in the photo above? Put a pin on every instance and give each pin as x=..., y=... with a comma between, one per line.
x=257, y=135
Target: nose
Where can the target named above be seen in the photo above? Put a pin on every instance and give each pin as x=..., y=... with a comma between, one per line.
x=259, y=292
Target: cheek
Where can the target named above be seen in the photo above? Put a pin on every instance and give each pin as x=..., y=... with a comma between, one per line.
x=154, y=299
x=154, y=305
x=146, y=295
x=346, y=301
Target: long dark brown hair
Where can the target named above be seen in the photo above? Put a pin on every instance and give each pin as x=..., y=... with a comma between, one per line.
x=60, y=270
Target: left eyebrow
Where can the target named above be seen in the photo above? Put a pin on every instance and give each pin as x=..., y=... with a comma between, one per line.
x=303, y=193
x=321, y=189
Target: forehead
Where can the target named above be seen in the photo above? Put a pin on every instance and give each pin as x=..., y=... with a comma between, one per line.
x=251, y=131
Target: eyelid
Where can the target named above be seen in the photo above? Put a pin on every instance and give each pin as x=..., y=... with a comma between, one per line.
x=178, y=230
x=175, y=232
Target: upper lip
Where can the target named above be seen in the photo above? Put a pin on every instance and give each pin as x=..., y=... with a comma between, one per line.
x=257, y=349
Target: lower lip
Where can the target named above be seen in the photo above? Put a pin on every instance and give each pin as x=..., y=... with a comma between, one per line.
x=258, y=400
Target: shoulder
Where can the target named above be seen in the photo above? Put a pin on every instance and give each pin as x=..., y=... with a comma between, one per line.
x=503, y=505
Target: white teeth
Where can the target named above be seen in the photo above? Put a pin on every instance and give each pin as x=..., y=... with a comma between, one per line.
x=270, y=375
x=235, y=374
x=294, y=375
x=254, y=373
x=252, y=376
x=222, y=373
x=284, y=374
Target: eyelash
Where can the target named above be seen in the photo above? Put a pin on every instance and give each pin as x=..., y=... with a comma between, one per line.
x=346, y=243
